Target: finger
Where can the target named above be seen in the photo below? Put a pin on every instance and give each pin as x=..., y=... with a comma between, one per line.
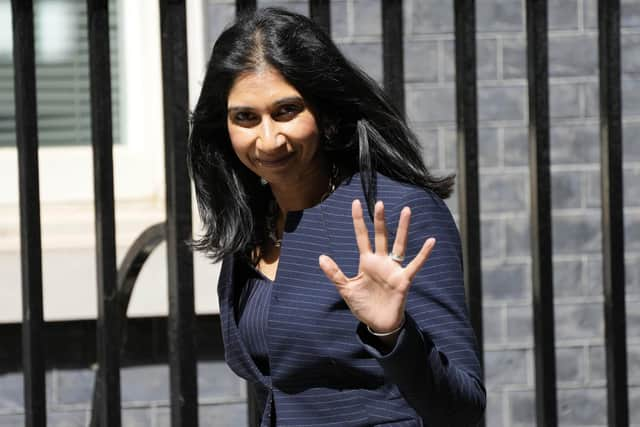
x=360, y=228
x=380, y=228
x=402, y=233
x=331, y=270
x=416, y=264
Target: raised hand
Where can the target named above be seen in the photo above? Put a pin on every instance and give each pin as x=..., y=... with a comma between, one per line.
x=377, y=295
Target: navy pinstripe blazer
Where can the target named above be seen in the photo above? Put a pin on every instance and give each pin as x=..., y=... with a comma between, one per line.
x=325, y=369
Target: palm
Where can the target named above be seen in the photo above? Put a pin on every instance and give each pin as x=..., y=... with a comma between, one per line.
x=378, y=293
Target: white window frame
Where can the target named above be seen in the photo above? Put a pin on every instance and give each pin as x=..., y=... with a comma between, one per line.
x=66, y=179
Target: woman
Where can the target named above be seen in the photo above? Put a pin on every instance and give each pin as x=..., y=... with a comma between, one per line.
x=289, y=141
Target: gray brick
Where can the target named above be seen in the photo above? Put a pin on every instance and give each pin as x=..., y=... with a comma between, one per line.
x=506, y=282
x=573, y=56
x=488, y=147
x=630, y=13
x=230, y=415
x=593, y=189
x=591, y=93
x=519, y=325
x=12, y=421
x=339, y=19
x=631, y=96
x=593, y=285
x=499, y=15
x=11, y=391
x=629, y=16
x=631, y=144
x=508, y=367
x=505, y=192
x=631, y=187
x=522, y=408
x=75, y=386
x=428, y=16
x=570, y=364
x=367, y=55
x=368, y=17
x=632, y=233
x=597, y=364
x=492, y=235
x=67, y=419
x=590, y=14
x=218, y=17
x=576, y=233
x=567, y=278
x=634, y=406
x=138, y=417
x=563, y=14
x=430, y=147
x=300, y=7
x=578, y=321
x=633, y=318
x=486, y=60
x=431, y=105
x=514, y=58
x=501, y=103
x=494, y=414
x=633, y=364
x=493, y=326
x=564, y=101
x=567, y=190
x=575, y=144
x=516, y=146
x=145, y=383
x=217, y=381
x=582, y=407
x=632, y=276
x=421, y=61
x=226, y=415
x=630, y=53
x=518, y=240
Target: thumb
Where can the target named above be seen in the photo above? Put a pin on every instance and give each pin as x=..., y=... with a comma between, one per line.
x=332, y=271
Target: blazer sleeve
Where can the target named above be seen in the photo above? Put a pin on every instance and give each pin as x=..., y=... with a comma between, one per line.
x=435, y=360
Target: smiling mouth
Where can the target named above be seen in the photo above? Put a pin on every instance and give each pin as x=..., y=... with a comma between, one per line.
x=272, y=163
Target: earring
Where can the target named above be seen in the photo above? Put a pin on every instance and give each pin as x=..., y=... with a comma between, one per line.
x=263, y=181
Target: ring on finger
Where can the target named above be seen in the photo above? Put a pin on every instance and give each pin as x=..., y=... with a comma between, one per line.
x=396, y=258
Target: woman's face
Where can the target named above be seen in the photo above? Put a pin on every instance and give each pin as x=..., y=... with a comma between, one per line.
x=272, y=130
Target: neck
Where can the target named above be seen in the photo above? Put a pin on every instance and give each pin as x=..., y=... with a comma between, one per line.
x=303, y=193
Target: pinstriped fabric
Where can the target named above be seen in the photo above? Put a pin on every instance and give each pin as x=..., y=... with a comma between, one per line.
x=254, y=315
x=325, y=369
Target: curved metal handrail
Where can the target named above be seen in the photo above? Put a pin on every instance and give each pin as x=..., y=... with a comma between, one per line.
x=128, y=273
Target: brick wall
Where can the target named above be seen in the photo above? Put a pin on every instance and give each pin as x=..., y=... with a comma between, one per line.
x=504, y=186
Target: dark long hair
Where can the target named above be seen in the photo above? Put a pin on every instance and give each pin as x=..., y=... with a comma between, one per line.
x=360, y=129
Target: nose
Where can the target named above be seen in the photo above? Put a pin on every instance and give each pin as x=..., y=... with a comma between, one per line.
x=270, y=139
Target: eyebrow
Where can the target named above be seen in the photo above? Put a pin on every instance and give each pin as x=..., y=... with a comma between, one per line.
x=279, y=102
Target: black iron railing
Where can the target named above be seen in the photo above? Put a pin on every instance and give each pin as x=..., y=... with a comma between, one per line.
x=116, y=284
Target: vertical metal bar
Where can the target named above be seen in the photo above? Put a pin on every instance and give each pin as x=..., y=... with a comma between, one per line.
x=612, y=212
x=108, y=338
x=30, y=232
x=468, y=196
x=541, y=247
x=253, y=415
x=320, y=12
x=243, y=6
x=393, y=52
x=182, y=354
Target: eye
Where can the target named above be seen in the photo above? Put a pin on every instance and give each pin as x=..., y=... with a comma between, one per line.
x=245, y=118
x=287, y=111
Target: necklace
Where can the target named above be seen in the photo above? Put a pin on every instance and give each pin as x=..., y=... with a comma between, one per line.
x=273, y=208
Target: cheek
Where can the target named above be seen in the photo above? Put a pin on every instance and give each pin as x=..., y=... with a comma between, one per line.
x=240, y=141
x=304, y=130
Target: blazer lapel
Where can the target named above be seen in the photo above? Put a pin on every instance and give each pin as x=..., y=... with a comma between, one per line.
x=236, y=353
